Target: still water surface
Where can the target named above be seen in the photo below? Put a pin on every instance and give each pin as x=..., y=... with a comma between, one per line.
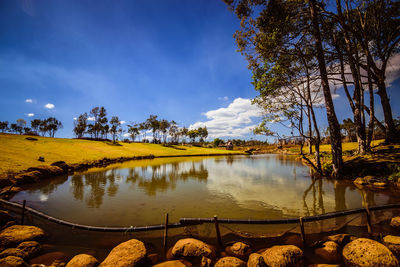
x=141, y=192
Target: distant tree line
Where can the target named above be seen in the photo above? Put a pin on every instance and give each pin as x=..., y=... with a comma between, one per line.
x=43, y=127
x=97, y=126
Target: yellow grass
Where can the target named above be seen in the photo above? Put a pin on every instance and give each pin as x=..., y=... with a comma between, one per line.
x=17, y=153
x=348, y=146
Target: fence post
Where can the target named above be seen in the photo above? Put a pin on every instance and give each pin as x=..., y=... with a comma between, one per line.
x=302, y=233
x=218, y=232
x=23, y=212
x=369, y=225
x=166, y=235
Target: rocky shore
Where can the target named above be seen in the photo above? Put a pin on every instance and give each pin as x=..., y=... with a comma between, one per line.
x=20, y=243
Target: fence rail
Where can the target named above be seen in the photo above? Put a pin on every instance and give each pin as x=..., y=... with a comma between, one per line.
x=194, y=221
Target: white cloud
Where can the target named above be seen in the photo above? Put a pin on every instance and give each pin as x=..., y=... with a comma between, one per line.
x=28, y=100
x=225, y=98
x=122, y=122
x=75, y=118
x=236, y=120
x=126, y=135
x=90, y=118
x=30, y=114
x=49, y=106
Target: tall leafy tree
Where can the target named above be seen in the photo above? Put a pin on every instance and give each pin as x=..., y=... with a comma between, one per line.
x=80, y=125
x=115, y=128
x=35, y=124
x=4, y=126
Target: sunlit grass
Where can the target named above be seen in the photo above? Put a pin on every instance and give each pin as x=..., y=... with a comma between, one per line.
x=18, y=154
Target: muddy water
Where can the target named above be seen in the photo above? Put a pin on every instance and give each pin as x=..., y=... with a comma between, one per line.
x=141, y=192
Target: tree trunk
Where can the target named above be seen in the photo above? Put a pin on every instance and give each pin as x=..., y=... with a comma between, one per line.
x=390, y=129
x=334, y=128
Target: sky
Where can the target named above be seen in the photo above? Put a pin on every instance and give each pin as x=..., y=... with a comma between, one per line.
x=172, y=58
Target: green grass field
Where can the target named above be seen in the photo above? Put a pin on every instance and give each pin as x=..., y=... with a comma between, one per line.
x=18, y=154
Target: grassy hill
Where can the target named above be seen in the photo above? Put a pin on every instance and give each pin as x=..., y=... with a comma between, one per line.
x=18, y=153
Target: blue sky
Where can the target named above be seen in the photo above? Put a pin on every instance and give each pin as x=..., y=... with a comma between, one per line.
x=172, y=58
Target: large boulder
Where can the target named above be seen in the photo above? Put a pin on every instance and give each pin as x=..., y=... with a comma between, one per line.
x=16, y=234
x=31, y=248
x=230, y=262
x=368, y=253
x=239, y=250
x=129, y=253
x=287, y=255
x=12, y=261
x=190, y=247
x=393, y=244
x=329, y=252
x=323, y=265
x=256, y=260
x=64, y=166
x=83, y=260
x=14, y=252
x=395, y=223
x=47, y=171
x=174, y=263
x=27, y=177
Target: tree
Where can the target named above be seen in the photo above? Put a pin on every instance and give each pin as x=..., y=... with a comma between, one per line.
x=80, y=125
x=35, y=124
x=164, y=126
x=102, y=122
x=52, y=125
x=4, y=126
x=217, y=142
x=193, y=134
x=350, y=129
x=115, y=127
x=133, y=131
x=21, y=124
x=203, y=133
x=15, y=128
x=271, y=36
x=174, y=132
x=154, y=125
x=184, y=132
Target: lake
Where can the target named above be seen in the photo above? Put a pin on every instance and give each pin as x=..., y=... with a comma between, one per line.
x=140, y=192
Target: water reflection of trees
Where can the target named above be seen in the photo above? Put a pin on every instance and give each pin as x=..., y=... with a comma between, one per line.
x=92, y=187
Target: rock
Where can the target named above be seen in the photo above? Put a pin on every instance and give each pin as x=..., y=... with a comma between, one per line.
x=129, y=253
x=256, y=260
x=393, y=244
x=329, y=252
x=47, y=171
x=206, y=262
x=190, y=247
x=367, y=252
x=287, y=255
x=64, y=166
x=5, y=218
x=5, y=181
x=360, y=181
x=239, y=250
x=175, y=263
x=16, y=234
x=31, y=248
x=13, y=252
x=230, y=262
x=27, y=177
x=395, y=222
x=12, y=261
x=341, y=239
x=83, y=260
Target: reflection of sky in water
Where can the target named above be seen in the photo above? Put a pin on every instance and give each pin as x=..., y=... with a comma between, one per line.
x=141, y=192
